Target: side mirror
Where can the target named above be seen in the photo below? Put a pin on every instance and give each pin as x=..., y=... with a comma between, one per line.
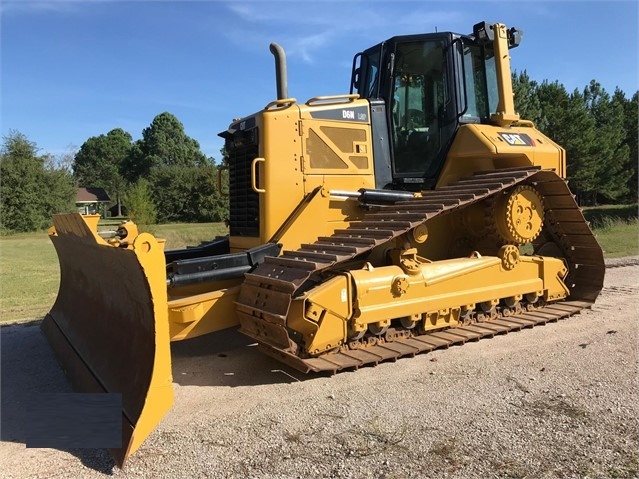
x=355, y=72
x=355, y=78
x=514, y=37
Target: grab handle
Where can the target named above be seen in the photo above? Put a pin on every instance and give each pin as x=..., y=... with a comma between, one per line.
x=332, y=99
x=280, y=104
x=254, y=175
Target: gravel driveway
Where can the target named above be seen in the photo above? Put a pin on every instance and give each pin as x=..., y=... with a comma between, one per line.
x=555, y=401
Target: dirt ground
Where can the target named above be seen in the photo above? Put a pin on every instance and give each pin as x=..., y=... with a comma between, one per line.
x=555, y=401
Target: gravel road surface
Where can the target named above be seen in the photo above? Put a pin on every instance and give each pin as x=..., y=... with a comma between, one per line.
x=554, y=401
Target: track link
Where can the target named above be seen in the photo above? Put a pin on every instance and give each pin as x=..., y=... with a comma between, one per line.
x=267, y=292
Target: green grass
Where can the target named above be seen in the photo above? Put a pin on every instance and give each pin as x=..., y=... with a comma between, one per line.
x=616, y=228
x=601, y=216
x=188, y=234
x=619, y=238
x=29, y=275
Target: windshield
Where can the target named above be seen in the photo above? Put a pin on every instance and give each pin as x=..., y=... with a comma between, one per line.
x=480, y=80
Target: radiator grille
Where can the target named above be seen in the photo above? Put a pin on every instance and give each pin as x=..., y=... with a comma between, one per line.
x=244, y=218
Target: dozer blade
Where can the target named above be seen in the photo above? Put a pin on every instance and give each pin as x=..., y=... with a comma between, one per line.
x=109, y=324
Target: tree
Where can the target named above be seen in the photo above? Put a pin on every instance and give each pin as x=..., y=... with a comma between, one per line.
x=613, y=171
x=163, y=143
x=599, y=133
x=631, y=115
x=100, y=161
x=61, y=188
x=139, y=203
x=187, y=193
x=64, y=161
x=526, y=97
x=32, y=189
x=565, y=118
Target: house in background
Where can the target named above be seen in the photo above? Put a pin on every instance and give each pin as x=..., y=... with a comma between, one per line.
x=91, y=201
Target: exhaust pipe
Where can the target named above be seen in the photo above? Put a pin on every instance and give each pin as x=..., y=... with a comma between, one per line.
x=280, y=71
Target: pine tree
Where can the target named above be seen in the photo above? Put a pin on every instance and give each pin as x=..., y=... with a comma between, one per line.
x=526, y=97
x=612, y=152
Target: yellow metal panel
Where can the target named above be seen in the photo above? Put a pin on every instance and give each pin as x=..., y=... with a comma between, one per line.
x=329, y=150
x=486, y=147
x=506, y=107
x=321, y=316
x=280, y=174
x=195, y=315
x=109, y=325
x=291, y=170
x=160, y=396
x=450, y=284
x=333, y=295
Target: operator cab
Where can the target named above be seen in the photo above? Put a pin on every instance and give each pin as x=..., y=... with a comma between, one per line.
x=430, y=84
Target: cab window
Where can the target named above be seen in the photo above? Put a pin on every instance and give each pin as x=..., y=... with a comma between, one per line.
x=418, y=96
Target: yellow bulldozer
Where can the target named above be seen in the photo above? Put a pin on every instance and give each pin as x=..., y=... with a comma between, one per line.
x=415, y=212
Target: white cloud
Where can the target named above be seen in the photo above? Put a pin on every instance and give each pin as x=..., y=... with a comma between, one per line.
x=306, y=46
x=312, y=27
x=302, y=28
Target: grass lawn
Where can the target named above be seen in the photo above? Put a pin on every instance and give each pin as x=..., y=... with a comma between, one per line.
x=188, y=234
x=616, y=228
x=29, y=273
x=29, y=277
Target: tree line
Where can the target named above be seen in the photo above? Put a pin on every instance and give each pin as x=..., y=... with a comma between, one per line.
x=598, y=131
x=164, y=176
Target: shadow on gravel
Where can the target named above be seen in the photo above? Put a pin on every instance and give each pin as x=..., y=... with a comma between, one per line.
x=29, y=369
x=228, y=358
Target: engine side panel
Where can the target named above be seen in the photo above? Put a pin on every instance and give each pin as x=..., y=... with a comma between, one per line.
x=485, y=148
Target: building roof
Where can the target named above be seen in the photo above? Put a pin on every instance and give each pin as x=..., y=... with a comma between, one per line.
x=91, y=195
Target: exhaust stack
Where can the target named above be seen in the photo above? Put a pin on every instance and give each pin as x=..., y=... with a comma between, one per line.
x=280, y=70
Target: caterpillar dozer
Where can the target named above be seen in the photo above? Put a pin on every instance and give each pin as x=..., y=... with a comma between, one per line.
x=415, y=212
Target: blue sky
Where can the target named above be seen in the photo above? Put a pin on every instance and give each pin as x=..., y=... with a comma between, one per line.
x=76, y=69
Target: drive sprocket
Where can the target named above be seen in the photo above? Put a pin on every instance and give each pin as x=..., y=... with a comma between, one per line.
x=519, y=215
